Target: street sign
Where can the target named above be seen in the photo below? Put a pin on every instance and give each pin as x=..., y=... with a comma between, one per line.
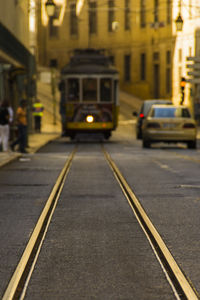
x=194, y=73
x=193, y=80
x=194, y=58
x=193, y=66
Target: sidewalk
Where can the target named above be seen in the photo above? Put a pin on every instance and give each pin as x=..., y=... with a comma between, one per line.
x=37, y=140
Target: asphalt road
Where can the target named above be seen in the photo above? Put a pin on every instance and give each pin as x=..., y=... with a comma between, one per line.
x=95, y=248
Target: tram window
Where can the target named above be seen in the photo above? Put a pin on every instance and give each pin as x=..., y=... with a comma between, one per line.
x=89, y=89
x=73, y=89
x=106, y=90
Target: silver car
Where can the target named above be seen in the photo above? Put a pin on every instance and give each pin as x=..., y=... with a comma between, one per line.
x=171, y=124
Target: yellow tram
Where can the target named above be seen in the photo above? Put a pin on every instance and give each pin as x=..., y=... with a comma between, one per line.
x=90, y=94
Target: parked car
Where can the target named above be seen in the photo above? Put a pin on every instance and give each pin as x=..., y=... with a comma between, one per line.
x=171, y=124
x=144, y=111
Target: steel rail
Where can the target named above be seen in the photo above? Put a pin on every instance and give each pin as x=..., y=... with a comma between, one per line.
x=17, y=286
x=180, y=284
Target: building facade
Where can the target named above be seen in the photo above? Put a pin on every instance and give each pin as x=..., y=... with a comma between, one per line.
x=17, y=64
x=140, y=37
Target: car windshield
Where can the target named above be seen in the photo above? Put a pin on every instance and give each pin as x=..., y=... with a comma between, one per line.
x=148, y=104
x=170, y=112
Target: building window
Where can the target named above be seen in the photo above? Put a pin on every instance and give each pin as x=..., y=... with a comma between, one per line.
x=127, y=24
x=180, y=55
x=168, y=57
x=169, y=7
x=111, y=14
x=112, y=60
x=190, y=9
x=92, y=17
x=168, y=80
x=180, y=73
x=156, y=56
x=127, y=67
x=53, y=63
x=142, y=14
x=143, y=66
x=190, y=51
x=156, y=14
x=73, y=20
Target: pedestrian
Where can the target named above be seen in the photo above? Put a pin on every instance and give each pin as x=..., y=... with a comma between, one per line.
x=62, y=109
x=38, y=109
x=4, y=125
x=21, y=116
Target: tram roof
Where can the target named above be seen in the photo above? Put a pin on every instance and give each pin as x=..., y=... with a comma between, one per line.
x=89, y=61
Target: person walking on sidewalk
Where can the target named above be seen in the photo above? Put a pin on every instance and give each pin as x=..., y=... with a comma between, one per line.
x=22, y=127
x=4, y=125
x=38, y=109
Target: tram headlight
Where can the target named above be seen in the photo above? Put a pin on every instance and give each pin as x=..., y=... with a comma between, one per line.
x=89, y=119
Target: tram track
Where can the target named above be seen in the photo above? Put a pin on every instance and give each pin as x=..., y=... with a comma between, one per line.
x=180, y=284
x=17, y=286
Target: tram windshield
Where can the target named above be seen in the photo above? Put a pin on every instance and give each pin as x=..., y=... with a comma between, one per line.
x=105, y=90
x=89, y=89
x=73, y=89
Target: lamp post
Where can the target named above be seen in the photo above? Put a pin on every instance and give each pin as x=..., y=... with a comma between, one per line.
x=179, y=20
x=50, y=8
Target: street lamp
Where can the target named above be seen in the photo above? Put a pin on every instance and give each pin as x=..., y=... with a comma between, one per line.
x=179, y=23
x=50, y=8
x=179, y=20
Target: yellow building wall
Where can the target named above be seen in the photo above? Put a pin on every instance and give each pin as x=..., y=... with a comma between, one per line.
x=159, y=37
x=14, y=16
